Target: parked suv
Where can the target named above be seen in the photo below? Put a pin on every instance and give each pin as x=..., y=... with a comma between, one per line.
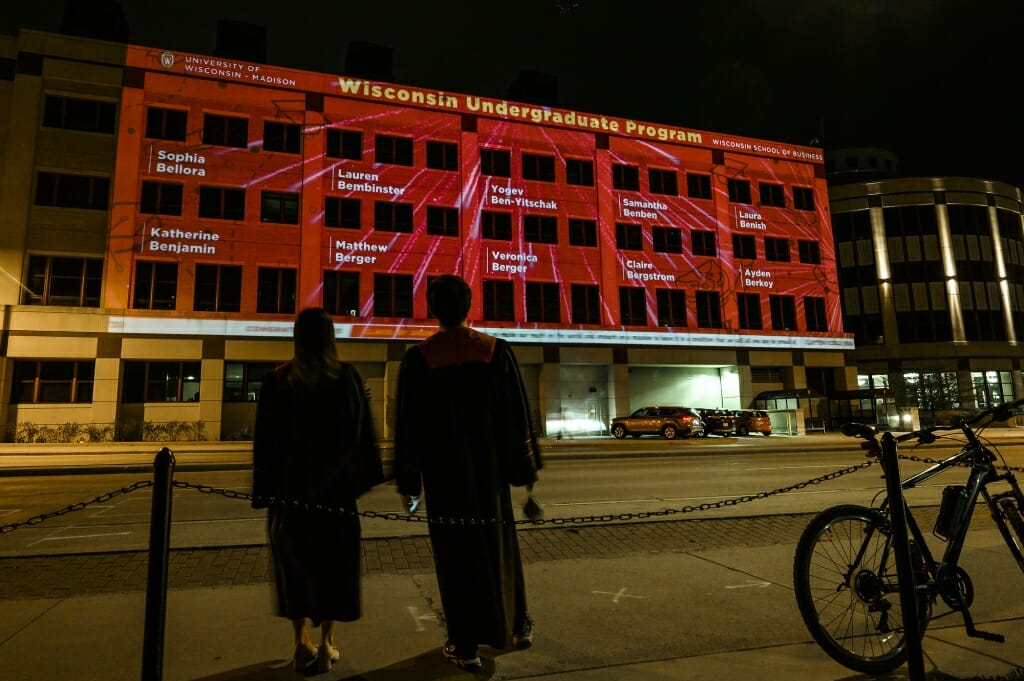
x=752, y=421
x=718, y=421
x=668, y=422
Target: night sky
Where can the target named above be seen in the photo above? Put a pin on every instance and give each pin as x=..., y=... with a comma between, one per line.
x=933, y=81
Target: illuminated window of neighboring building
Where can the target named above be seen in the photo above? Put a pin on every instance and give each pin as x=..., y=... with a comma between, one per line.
x=84, y=115
x=442, y=155
x=783, y=310
x=223, y=203
x=442, y=221
x=698, y=185
x=625, y=177
x=586, y=304
x=496, y=162
x=538, y=167
x=218, y=288
x=702, y=242
x=803, y=198
x=160, y=198
x=347, y=144
x=992, y=388
x=667, y=239
x=393, y=150
x=275, y=290
x=166, y=124
x=542, y=229
x=772, y=194
x=226, y=131
x=341, y=293
x=52, y=381
x=663, y=181
x=390, y=216
x=633, y=306
x=286, y=137
x=744, y=247
x=496, y=225
x=392, y=295
x=709, y=309
x=72, y=282
x=776, y=249
x=344, y=213
x=543, y=302
x=156, y=285
x=671, y=304
x=498, y=301
x=749, y=307
x=814, y=312
x=161, y=382
x=628, y=237
x=279, y=207
x=579, y=172
x=582, y=232
x=739, y=190
x=243, y=380
x=810, y=251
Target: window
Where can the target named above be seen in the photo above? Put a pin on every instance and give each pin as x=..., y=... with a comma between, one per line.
x=226, y=131
x=495, y=225
x=541, y=229
x=347, y=144
x=625, y=177
x=671, y=307
x=218, y=288
x=392, y=295
x=442, y=155
x=709, y=309
x=72, y=191
x=161, y=382
x=222, y=203
x=392, y=217
x=86, y=115
x=340, y=212
x=772, y=194
x=814, y=311
x=633, y=306
x=394, y=150
x=739, y=191
x=776, y=249
x=442, y=221
x=537, y=167
x=243, y=380
x=496, y=162
x=286, y=137
x=543, y=303
x=35, y=382
x=810, y=252
x=667, y=239
x=749, y=305
x=498, y=305
x=160, y=198
x=579, y=172
x=628, y=237
x=166, y=124
x=783, y=310
x=74, y=282
x=586, y=304
x=275, y=290
x=698, y=186
x=702, y=242
x=280, y=207
x=341, y=293
x=156, y=285
x=582, y=232
x=744, y=247
x=803, y=198
x=663, y=181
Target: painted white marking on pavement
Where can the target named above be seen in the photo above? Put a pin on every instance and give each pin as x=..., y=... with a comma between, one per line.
x=79, y=536
x=418, y=618
x=750, y=583
x=8, y=511
x=617, y=594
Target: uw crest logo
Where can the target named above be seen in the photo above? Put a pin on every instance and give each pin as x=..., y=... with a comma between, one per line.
x=167, y=59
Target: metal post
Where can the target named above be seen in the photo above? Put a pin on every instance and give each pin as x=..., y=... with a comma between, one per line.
x=156, y=578
x=904, y=564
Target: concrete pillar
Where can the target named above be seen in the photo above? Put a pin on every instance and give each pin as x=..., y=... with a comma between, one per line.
x=549, y=392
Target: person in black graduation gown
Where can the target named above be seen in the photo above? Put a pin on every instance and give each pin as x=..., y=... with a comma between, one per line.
x=463, y=435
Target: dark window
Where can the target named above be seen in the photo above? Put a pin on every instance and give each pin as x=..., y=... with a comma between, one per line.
x=582, y=232
x=496, y=162
x=392, y=295
x=161, y=382
x=286, y=137
x=346, y=144
x=394, y=150
x=739, y=190
x=586, y=304
x=218, y=288
x=709, y=309
x=772, y=194
x=226, y=131
x=222, y=203
x=803, y=198
x=814, y=311
x=495, y=225
x=35, y=382
x=498, y=301
x=702, y=242
x=810, y=252
x=541, y=229
x=579, y=172
x=744, y=247
x=442, y=221
x=156, y=285
x=442, y=155
x=783, y=310
x=776, y=249
x=275, y=290
x=633, y=306
x=392, y=217
x=73, y=282
x=667, y=239
x=537, y=167
x=671, y=306
x=87, y=115
x=625, y=177
x=160, y=198
x=749, y=306
x=663, y=181
x=72, y=191
x=698, y=186
x=340, y=212
x=243, y=380
x=543, y=303
x=341, y=293
x=166, y=124
x=281, y=207
x=628, y=237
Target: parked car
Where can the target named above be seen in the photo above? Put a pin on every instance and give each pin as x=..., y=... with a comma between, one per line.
x=752, y=421
x=718, y=421
x=666, y=421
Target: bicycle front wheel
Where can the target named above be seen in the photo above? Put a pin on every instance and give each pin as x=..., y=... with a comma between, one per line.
x=844, y=575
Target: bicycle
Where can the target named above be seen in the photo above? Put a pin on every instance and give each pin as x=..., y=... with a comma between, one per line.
x=844, y=571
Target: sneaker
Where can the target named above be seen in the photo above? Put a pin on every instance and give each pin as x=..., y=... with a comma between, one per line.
x=452, y=654
x=523, y=638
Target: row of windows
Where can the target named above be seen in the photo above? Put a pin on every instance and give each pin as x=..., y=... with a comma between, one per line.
x=72, y=381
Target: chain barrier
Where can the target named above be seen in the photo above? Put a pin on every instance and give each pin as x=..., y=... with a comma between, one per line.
x=35, y=520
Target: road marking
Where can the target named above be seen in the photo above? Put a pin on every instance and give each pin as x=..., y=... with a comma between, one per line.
x=617, y=594
x=750, y=583
x=418, y=618
x=79, y=536
x=6, y=511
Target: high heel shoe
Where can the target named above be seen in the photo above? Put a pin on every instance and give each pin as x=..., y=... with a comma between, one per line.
x=303, y=658
x=326, y=655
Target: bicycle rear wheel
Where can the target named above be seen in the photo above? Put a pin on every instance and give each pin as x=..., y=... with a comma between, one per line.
x=844, y=575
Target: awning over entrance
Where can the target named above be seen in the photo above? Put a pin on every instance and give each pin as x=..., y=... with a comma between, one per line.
x=796, y=394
